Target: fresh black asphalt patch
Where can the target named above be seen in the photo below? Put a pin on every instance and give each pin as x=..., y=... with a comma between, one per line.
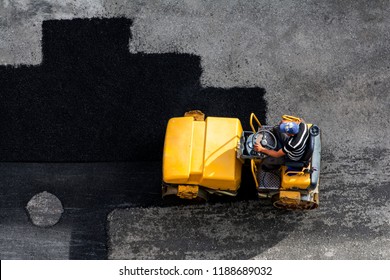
x=94, y=116
x=91, y=100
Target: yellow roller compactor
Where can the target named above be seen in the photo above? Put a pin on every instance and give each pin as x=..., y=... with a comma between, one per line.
x=204, y=156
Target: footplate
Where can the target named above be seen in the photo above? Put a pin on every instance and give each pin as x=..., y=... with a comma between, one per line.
x=268, y=180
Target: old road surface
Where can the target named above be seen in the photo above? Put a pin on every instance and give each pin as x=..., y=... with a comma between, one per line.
x=88, y=86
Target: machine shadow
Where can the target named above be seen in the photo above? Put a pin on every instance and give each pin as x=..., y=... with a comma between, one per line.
x=92, y=101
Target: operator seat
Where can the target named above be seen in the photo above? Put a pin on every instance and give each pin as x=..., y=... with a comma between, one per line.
x=305, y=160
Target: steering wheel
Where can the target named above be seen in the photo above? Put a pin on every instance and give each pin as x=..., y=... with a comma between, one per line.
x=267, y=139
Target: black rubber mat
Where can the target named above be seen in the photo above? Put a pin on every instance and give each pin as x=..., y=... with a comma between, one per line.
x=91, y=100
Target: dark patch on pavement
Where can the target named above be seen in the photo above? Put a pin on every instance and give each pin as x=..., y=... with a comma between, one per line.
x=91, y=100
x=88, y=192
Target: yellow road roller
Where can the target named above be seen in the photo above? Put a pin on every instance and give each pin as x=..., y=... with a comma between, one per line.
x=204, y=156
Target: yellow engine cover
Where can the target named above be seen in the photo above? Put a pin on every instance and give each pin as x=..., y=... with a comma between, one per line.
x=300, y=180
x=202, y=152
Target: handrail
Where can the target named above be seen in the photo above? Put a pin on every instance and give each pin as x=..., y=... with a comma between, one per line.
x=291, y=119
x=299, y=173
x=251, y=122
x=254, y=172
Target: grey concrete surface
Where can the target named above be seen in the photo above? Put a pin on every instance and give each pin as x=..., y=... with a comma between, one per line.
x=326, y=61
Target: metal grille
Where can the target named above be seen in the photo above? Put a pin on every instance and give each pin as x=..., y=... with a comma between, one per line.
x=268, y=180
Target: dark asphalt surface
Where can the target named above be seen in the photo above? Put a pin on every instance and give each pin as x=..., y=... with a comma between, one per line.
x=78, y=91
x=88, y=192
x=91, y=100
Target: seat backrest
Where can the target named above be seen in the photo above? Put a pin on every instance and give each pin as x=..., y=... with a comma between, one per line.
x=305, y=160
x=309, y=149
